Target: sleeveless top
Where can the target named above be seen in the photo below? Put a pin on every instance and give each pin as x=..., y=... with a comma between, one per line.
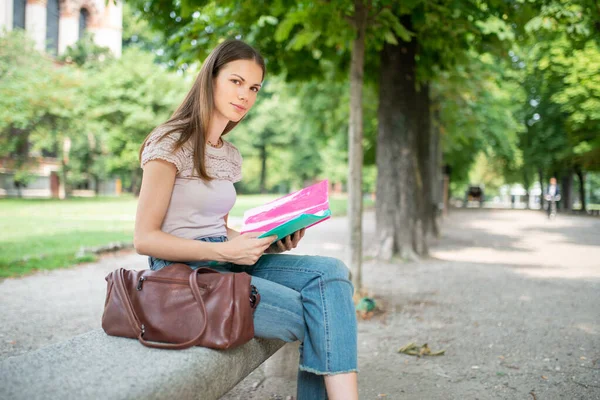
x=197, y=209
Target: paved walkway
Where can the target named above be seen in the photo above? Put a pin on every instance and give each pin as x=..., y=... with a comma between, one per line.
x=512, y=297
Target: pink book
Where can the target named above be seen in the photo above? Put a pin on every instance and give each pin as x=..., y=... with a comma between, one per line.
x=290, y=213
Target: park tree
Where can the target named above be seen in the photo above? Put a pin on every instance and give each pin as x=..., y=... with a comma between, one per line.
x=559, y=52
x=297, y=39
x=443, y=38
x=477, y=113
x=40, y=105
x=128, y=98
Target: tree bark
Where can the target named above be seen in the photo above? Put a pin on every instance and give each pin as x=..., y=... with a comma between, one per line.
x=395, y=144
x=566, y=190
x=541, y=177
x=96, y=184
x=65, y=173
x=581, y=177
x=436, y=171
x=355, y=139
x=423, y=170
x=446, y=193
x=136, y=183
x=526, y=183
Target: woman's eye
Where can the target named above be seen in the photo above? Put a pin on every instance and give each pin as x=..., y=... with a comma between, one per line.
x=235, y=81
x=255, y=89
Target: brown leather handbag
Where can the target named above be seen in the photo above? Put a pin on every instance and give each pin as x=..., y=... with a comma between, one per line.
x=180, y=308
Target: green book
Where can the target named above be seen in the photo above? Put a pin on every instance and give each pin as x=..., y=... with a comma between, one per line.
x=297, y=223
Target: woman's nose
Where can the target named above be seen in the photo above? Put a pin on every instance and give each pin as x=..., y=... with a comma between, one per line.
x=242, y=93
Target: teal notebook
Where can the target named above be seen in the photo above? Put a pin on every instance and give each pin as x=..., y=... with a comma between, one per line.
x=297, y=223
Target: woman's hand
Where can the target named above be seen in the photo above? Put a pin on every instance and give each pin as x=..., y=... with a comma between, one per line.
x=246, y=248
x=287, y=243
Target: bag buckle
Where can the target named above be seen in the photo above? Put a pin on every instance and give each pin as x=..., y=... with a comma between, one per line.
x=253, y=293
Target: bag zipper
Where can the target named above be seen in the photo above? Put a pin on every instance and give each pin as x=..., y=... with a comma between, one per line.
x=165, y=280
x=253, y=296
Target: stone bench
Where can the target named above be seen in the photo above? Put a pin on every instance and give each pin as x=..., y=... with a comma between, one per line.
x=97, y=366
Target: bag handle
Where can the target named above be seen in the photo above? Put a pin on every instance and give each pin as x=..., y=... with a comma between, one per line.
x=134, y=320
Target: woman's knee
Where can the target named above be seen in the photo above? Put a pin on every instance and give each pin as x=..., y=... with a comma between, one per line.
x=279, y=314
x=334, y=269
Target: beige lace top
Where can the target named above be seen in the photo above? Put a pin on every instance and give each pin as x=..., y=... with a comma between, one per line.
x=197, y=208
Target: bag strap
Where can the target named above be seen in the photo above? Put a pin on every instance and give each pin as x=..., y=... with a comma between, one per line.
x=134, y=320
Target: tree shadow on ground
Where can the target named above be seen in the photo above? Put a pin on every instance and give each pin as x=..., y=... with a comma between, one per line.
x=584, y=234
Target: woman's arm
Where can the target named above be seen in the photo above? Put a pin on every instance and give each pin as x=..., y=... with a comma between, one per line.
x=157, y=186
x=231, y=233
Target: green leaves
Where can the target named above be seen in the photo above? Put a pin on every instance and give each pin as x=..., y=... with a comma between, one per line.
x=390, y=21
x=496, y=26
x=34, y=96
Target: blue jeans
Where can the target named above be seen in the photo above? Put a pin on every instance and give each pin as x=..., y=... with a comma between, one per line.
x=305, y=298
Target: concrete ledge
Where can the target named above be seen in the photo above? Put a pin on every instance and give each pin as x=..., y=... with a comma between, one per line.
x=97, y=366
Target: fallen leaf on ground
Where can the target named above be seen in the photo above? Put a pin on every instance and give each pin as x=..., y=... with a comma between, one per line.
x=413, y=349
x=533, y=395
x=544, y=377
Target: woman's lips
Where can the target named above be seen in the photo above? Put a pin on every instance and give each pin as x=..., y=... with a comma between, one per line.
x=238, y=107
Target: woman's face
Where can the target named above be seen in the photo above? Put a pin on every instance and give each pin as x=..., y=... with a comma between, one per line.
x=235, y=88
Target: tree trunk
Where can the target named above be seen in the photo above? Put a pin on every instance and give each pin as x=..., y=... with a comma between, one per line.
x=423, y=170
x=446, y=192
x=541, y=177
x=66, y=150
x=526, y=183
x=566, y=190
x=436, y=171
x=65, y=173
x=263, y=168
x=136, y=183
x=395, y=144
x=96, y=184
x=581, y=177
x=355, y=139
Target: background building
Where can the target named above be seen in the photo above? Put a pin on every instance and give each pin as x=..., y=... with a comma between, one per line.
x=54, y=25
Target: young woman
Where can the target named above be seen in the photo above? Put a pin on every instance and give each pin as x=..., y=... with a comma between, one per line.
x=186, y=195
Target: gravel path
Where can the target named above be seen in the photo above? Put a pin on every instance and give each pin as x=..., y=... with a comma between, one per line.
x=513, y=298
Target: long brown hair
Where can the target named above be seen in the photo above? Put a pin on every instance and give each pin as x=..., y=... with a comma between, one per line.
x=192, y=117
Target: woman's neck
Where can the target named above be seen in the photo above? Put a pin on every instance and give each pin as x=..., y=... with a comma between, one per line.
x=216, y=127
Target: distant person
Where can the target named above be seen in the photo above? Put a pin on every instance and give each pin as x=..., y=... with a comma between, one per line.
x=552, y=196
x=186, y=196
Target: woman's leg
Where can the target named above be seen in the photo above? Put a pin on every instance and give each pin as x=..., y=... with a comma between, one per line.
x=342, y=386
x=279, y=313
x=329, y=347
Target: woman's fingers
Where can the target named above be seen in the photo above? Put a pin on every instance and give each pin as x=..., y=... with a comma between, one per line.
x=295, y=239
x=298, y=235
x=289, y=243
x=280, y=246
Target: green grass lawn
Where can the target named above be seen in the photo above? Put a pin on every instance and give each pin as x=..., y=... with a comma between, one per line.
x=47, y=234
